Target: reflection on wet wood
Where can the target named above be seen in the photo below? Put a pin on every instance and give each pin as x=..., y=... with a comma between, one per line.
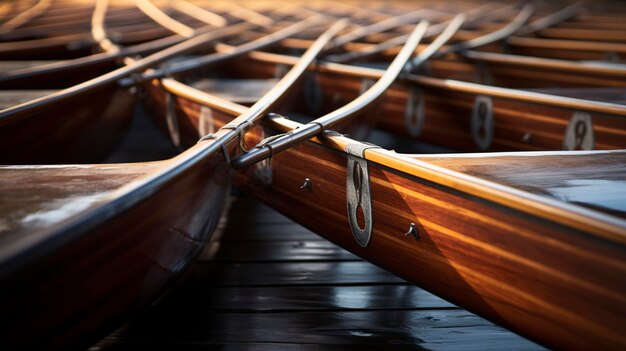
x=308, y=273
x=300, y=250
x=305, y=298
x=238, y=298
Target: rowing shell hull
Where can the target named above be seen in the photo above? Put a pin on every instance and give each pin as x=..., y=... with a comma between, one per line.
x=551, y=283
x=448, y=112
x=549, y=270
x=82, y=128
x=78, y=281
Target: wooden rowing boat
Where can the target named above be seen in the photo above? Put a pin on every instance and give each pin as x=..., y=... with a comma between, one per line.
x=534, y=241
x=82, y=123
x=513, y=119
x=543, y=119
x=79, y=124
x=84, y=245
x=510, y=248
x=65, y=33
x=54, y=74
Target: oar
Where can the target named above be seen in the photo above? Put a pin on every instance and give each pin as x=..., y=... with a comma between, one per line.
x=26, y=16
x=504, y=32
x=381, y=26
x=247, y=14
x=163, y=19
x=535, y=26
x=120, y=73
x=199, y=13
x=551, y=20
x=238, y=126
x=494, y=36
x=213, y=58
x=471, y=16
x=283, y=142
x=111, y=50
x=109, y=56
x=98, y=31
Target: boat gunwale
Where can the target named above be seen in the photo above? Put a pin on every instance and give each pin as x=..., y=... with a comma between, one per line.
x=45, y=240
x=599, y=69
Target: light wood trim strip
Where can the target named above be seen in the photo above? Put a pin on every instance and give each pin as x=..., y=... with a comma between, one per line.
x=574, y=45
x=539, y=62
x=605, y=226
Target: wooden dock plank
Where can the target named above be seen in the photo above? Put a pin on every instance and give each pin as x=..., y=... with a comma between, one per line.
x=266, y=283
x=302, y=298
x=275, y=232
x=295, y=273
x=259, y=286
x=430, y=329
x=300, y=250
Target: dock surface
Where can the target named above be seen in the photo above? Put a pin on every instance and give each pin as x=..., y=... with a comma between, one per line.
x=266, y=283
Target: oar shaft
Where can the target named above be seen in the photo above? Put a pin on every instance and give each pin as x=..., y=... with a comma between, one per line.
x=506, y=31
x=319, y=125
x=551, y=20
x=221, y=56
x=452, y=28
x=262, y=106
x=114, y=76
x=269, y=99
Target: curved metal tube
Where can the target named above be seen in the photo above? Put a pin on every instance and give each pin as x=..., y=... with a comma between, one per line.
x=506, y=31
x=227, y=54
x=265, y=103
x=431, y=49
x=551, y=20
x=164, y=20
x=120, y=73
x=355, y=106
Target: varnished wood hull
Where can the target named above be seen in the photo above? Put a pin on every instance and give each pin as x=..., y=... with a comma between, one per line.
x=64, y=33
x=514, y=76
x=551, y=282
x=539, y=273
x=83, y=128
x=48, y=49
x=448, y=114
x=63, y=77
x=74, y=282
x=548, y=282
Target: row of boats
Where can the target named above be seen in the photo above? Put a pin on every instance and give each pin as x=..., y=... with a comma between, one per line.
x=498, y=180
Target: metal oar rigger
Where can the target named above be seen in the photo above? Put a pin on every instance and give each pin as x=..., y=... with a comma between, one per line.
x=270, y=147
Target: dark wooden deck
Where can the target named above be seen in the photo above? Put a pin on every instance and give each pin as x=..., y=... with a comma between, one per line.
x=266, y=283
